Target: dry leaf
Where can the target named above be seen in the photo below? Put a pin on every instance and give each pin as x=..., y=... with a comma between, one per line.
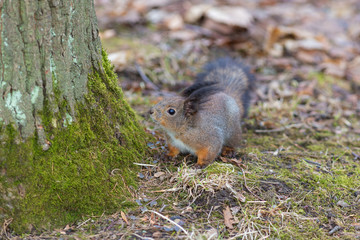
x=183, y=35
x=152, y=219
x=174, y=22
x=212, y=233
x=234, y=161
x=218, y=27
x=228, y=218
x=123, y=216
x=230, y=15
x=157, y=16
x=356, y=226
x=310, y=57
x=158, y=174
x=196, y=12
x=306, y=88
x=119, y=59
x=240, y=197
x=334, y=69
x=353, y=71
x=107, y=34
x=143, y=6
x=157, y=234
x=272, y=36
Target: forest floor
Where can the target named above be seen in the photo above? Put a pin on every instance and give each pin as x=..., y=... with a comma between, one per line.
x=297, y=175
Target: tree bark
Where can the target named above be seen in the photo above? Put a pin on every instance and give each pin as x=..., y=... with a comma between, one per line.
x=45, y=45
x=68, y=139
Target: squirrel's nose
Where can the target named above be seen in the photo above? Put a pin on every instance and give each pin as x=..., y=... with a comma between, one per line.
x=151, y=111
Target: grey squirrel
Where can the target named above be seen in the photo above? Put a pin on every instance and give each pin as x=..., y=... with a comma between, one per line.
x=206, y=118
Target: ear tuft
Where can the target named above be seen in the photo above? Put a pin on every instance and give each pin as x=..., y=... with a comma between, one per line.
x=191, y=107
x=194, y=102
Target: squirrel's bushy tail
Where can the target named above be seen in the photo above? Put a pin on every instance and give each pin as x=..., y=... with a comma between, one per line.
x=232, y=76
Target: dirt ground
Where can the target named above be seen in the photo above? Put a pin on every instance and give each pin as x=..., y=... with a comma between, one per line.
x=297, y=174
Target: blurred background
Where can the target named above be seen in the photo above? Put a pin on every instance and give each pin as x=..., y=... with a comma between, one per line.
x=303, y=52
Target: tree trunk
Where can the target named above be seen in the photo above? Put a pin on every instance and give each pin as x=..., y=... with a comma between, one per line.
x=67, y=137
x=46, y=44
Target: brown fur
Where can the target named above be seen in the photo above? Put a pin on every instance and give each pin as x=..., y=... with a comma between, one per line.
x=208, y=114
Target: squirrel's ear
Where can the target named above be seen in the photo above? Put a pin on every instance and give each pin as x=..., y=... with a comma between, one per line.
x=190, y=107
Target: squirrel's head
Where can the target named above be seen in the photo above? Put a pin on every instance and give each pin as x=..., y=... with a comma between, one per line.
x=169, y=113
x=176, y=112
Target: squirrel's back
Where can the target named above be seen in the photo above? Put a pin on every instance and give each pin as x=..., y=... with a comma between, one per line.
x=232, y=77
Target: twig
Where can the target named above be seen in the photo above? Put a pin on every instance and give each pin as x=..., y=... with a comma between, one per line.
x=144, y=164
x=296, y=125
x=356, y=156
x=243, y=234
x=144, y=238
x=159, y=214
x=145, y=78
x=311, y=162
x=83, y=223
x=256, y=202
x=210, y=212
x=162, y=208
x=270, y=130
x=334, y=230
x=4, y=227
x=167, y=190
x=247, y=188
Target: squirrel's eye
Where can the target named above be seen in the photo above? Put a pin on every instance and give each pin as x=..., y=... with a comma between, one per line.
x=171, y=111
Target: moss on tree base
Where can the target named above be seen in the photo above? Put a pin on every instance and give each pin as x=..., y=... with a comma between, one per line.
x=88, y=168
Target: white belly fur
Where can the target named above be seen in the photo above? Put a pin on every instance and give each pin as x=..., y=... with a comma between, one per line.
x=180, y=144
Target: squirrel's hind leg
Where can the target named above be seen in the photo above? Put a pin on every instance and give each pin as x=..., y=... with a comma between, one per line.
x=228, y=151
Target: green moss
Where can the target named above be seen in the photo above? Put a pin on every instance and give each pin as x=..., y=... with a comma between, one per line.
x=88, y=168
x=220, y=168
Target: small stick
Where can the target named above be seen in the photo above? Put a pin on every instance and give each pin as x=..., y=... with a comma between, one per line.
x=167, y=190
x=296, y=125
x=144, y=164
x=145, y=78
x=144, y=238
x=247, y=188
x=256, y=202
x=83, y=223
x=334, y=230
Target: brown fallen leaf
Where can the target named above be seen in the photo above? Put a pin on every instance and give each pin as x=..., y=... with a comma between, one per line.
x=353, y=71
x=158, y=174
x=228, y=218
x=356, y=226
x=306, y=88
x=218, y=27
x=196, y=12
x=174, y=22
x=334, y=69
x=234, y=161
x=240, y=197
x=123, y=216
x=310, y=56
x=144, y=6
x=120, y=59
x=109, y=33
x=230, y=15
x=183, y=35
x=152, y=219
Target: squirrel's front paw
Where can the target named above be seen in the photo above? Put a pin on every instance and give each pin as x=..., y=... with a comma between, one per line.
x=200, y=166
x=173, y=151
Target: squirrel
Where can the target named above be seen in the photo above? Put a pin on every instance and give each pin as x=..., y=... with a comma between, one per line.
x=206, y=118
